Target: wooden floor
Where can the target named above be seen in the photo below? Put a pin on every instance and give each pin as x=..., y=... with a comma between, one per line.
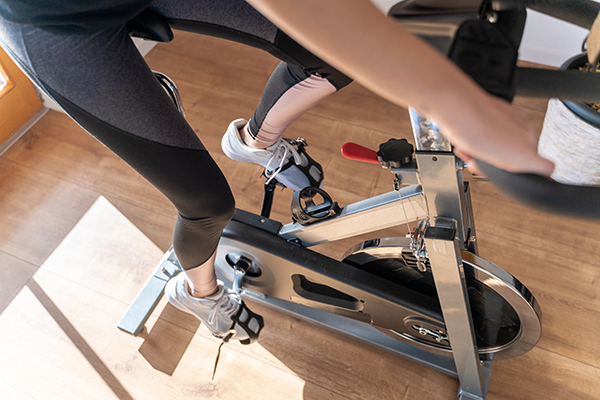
x=80, y=233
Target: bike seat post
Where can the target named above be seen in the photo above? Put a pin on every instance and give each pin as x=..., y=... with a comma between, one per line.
x=440, y=175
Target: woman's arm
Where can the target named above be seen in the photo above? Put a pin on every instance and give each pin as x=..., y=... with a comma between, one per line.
x=355, y=37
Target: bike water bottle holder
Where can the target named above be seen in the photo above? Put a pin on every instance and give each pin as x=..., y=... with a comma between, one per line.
x=305, y=210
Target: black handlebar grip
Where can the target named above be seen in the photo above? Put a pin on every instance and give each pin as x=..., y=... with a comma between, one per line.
x=544, y=194
x=578, y=12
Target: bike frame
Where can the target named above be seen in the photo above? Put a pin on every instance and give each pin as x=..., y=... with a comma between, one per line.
x=441, y=195
x=365, y=300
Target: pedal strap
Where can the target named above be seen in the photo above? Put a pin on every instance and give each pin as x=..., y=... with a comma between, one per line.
x=300, y=145
x=243, y=318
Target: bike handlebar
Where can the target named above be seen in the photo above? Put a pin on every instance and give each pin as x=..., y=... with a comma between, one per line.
x=566, y=85
x=537, y=191
x=579, y=12
x=545, y=194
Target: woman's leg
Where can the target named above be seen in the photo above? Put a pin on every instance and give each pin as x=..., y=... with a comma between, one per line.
x=101, y=80
x=300, y=82
x=289, y=93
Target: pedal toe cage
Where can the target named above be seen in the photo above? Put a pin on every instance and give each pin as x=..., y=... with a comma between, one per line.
x=305, y=210
x=243, y=318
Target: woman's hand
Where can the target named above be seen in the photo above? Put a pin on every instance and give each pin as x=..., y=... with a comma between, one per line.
x=492, y=130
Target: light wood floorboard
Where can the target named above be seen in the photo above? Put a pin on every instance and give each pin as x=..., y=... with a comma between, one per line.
x=81, y=232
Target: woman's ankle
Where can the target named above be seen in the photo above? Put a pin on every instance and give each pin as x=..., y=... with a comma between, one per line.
x=204, y=292
x=250, y=141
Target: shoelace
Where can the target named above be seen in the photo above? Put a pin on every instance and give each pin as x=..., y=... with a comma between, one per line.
x=228, y=302
x=280, y=156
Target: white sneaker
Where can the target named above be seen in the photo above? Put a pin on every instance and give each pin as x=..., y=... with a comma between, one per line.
x=286, y=160
x=220, y=312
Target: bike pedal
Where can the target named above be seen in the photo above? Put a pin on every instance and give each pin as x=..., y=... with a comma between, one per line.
x=246, y=317
x=306, y=210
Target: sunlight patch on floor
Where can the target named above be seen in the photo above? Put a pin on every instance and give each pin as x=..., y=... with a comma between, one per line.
x=59, y=339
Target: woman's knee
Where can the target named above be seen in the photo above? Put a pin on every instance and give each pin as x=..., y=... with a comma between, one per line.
x=220, y=209
x=195, y=240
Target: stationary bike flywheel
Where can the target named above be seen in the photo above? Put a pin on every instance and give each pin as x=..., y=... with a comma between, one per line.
x=506, y=316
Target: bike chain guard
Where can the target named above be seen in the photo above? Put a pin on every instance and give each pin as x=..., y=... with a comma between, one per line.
x=305, y=210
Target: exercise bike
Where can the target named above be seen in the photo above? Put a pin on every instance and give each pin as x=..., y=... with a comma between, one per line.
x=426, y=296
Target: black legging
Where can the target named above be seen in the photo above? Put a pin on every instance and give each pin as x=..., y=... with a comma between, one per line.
x=101, y=80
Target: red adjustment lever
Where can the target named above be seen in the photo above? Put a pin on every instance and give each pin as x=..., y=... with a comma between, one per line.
x=353, y=151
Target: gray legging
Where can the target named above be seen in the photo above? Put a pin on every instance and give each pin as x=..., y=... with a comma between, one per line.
x=101, y=80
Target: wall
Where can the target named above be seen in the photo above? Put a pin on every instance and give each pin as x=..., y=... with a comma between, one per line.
x=550, y=41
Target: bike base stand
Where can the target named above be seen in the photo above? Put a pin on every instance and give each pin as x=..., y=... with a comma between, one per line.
x=143, y=305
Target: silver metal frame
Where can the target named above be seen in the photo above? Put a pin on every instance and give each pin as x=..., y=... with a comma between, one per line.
x=440, y=195
x=147, y=299
x=446, y=265
x=379, y=212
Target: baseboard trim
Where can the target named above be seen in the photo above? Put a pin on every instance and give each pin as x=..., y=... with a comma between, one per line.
x=23, y=130
x=543, y=56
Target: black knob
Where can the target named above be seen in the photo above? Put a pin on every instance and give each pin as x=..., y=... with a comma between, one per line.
x=395, y=153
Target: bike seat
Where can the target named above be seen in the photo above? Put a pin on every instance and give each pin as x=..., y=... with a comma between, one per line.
x=151, y=26
x=434, y=21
